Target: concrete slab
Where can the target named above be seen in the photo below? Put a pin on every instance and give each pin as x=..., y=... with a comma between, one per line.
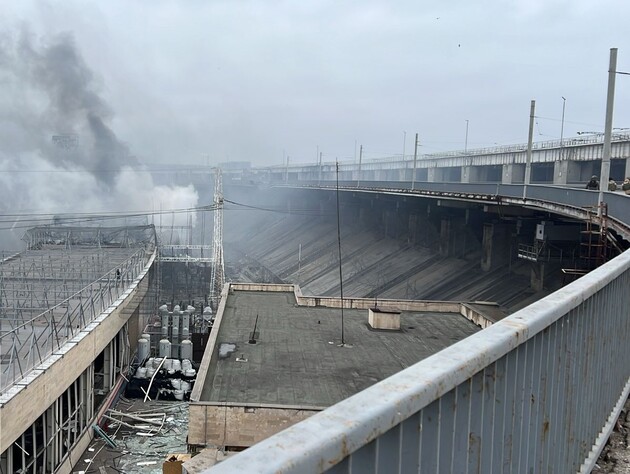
x=297, y=359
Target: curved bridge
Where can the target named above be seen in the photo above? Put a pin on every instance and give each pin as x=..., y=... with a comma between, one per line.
x=538, y=391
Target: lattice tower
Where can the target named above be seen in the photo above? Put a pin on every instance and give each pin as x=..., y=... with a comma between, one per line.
x=217, y=276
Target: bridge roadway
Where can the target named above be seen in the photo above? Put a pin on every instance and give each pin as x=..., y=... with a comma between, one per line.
x=69, y=305
x=539, y=391
x=572, y=161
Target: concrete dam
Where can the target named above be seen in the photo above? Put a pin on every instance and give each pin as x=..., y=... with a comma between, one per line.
x=392, y=247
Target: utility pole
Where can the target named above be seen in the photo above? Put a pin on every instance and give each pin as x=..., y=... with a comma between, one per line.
x=415, y=157
x=343, y=340
x=404, y=142
x=605, y=171
x=530, y=139
x=360, y=158
x=564, y=103
x=319, y=179
x=466, y=139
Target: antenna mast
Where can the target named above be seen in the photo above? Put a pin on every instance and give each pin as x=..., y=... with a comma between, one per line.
x=343, y=341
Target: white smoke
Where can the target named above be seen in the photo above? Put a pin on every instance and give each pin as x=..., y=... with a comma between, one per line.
x=58, y=153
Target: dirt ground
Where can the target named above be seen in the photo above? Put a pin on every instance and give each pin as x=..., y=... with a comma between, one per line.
x=615, y=457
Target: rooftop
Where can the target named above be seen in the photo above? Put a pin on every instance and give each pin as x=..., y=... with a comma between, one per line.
x=297, y=359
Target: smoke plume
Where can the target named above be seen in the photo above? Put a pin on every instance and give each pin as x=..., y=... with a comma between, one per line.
x=58, y=152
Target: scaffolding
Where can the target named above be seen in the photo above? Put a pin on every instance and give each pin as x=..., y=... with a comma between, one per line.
x=60, y=284
x=594, y=245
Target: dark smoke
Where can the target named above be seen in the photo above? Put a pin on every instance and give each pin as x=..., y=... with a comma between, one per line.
x=58, y=152
x=54, y=70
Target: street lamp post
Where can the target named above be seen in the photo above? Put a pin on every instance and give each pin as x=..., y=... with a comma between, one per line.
x=530, y=143
x=564, y=103
x=610, y=99
x=404, y=142
x=466, y=139
x=415, y=157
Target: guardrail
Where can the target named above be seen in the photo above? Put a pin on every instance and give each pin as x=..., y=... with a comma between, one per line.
x=539, y=391
x=575, y=199
x=591, y=139
x=29, y=343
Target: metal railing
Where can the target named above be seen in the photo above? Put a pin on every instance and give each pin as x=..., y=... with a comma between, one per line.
x=29, y=343
x=584, y=140
x=566, y=197
x=539, y=391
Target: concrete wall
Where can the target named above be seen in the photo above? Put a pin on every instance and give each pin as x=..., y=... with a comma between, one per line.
x=240, y=425
x=475, y=316
x=352, y=303
x=496, y=244
x=384, y=320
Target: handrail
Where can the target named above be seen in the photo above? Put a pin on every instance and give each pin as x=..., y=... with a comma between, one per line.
x=537, y=391
x=593, y=139
x=63, y=321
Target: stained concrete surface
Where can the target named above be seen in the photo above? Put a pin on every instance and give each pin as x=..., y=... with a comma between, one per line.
x=303, y=250
x=296, y=359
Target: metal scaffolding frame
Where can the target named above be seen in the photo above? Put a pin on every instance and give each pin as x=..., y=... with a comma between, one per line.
x=53, y=290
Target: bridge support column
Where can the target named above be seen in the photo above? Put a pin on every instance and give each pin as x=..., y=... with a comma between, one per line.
x=627, y=172
x=412, y=229
x=433, y=175
x=537, y=276
x=466, y=172
x=507, y=174
x=560, y=172
x=452, y=241
x=445, y=237
x=393, y=223
x=470, y=174
x=495, y=247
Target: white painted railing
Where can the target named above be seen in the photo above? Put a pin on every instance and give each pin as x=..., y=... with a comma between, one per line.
x=538, y=391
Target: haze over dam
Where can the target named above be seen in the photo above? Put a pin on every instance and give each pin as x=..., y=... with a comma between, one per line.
x=392, y=247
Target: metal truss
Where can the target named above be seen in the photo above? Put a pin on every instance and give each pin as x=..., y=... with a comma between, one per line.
x=217, y=277
x=53, y=290
x=186, y=253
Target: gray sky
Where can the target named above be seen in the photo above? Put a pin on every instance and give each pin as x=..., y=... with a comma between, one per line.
x=191, y=81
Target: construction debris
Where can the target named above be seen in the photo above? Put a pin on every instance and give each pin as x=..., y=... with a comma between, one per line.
x=143, y=434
